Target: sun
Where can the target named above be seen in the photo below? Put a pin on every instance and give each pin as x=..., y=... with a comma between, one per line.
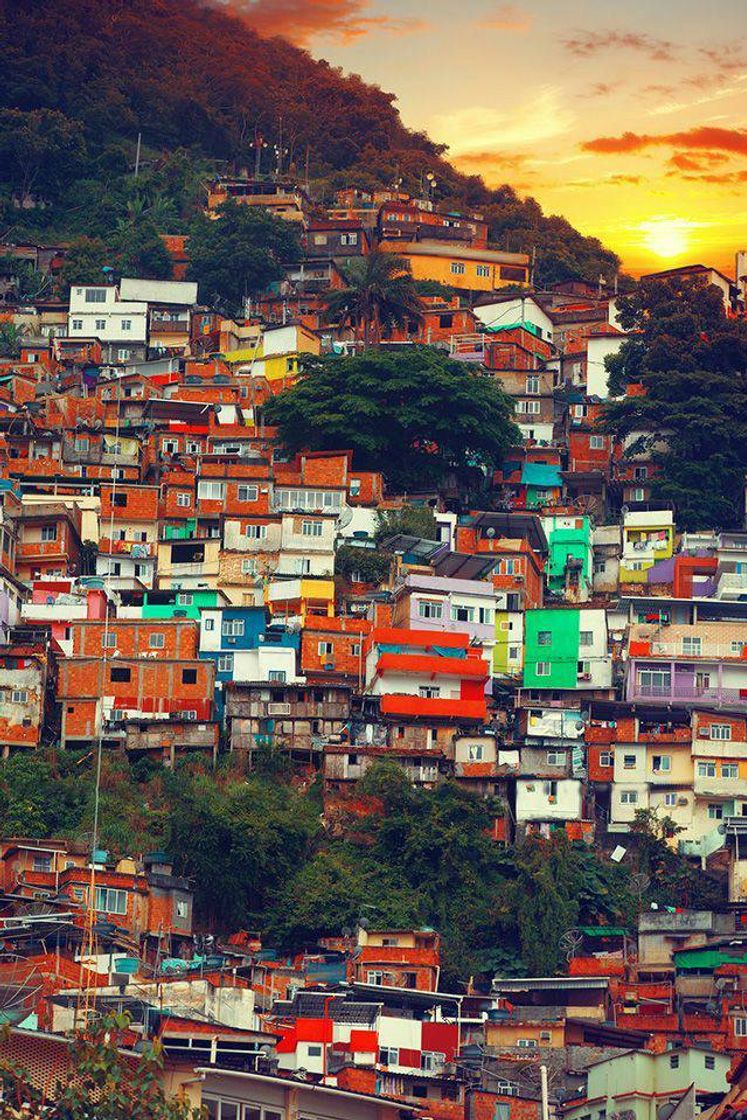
x=666, y=237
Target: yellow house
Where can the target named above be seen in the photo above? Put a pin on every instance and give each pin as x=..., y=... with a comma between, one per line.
x=275, y=354
x=458, y=266
x=648, y=537
x=295, y=598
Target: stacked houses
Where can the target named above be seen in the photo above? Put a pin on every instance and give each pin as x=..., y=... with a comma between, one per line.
x=171, y=582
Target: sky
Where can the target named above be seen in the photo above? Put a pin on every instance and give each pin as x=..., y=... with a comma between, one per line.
x=630, y=119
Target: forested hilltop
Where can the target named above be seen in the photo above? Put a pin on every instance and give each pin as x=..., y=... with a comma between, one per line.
x=81, y=79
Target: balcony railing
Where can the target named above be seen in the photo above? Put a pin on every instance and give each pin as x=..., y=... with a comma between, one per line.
x=680, y=691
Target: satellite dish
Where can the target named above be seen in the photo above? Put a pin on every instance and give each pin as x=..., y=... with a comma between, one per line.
x=490, y=532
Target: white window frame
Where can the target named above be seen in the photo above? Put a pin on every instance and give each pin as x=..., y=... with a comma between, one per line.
x=225, y=663
x=543, y=668
x=183, y=498
x=255, y=532
x=430, y=608
x=312, y=528
x=232, y=628
x=247, y=493
x=720, y=731
x=156, y=641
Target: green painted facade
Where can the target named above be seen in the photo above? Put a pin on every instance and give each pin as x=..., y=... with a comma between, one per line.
x=182, y=532
x=201, y=600
x=551, y=636
x=564, y=542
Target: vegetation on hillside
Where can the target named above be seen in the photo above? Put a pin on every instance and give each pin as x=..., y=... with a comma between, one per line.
x=261, y=857
x=692, y=361
x=207, y=93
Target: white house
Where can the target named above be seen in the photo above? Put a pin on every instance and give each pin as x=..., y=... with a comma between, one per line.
x=120, y=325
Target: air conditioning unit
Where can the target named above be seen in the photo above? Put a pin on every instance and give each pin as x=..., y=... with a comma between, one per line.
x=682, y=801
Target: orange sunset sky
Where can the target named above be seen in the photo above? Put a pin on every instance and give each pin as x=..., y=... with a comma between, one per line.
x=628, y=118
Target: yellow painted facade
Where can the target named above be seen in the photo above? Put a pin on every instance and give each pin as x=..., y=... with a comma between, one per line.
x=481, y=270
x=276, y=353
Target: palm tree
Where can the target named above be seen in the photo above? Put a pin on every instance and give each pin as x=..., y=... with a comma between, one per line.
x=380, y=293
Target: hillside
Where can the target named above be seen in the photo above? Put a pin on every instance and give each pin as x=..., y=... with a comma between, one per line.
x=193, y=79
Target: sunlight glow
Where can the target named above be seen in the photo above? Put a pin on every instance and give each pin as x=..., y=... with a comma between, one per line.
x=666, y=237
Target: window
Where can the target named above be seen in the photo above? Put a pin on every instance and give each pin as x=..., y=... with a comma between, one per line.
x=76, y=325
x=510, y=568
x=674, y=1061
x=193, y=447
x=640, y=474
x=312, y=528
x=183, y=498
x=486, y=616
x=95, y=295
x=482, y=270
x=709, y=1061
x=119, y=674
x=189, y=676
x=596, y=443
x=629, y=761
x=637, y=495
x=184, y=599
x=126, y=324
x=302, y=565
x=111, y=901
x=738, y=648
x=427, y=608
x=462, y=614
x=429, y=691
x=544, y=637
x=233, y=627
x=355, y=649
x=211, y=490
x=729, y=770
x=740, y=1028
x=457, y=268
x=255, y=532
x=715, y=811
x=543, y=668
x=706, y=769
x=100, y=324
x=170, y=446
x=586, y=638
x=249, y=567
x=661, y=763
x=225, y=663
x=308, y=500
x=248, y=493
x=325, y=649
x=209, y=623
x=156, y=641
x=109, y=641
x=556, y=758
x=526, y=1043
x=388, y=1055
x=670, y=799
x=355, y=487
x=348, y=238
x=629, y=797
x=314, y=1051
x=475, y=752
x=188, y=714
x=430, y=1060
x=691, y=646
x=182, y=908
x=532, y=407
x=720, y=731
x=42, y=863
x=606, y=758
x=533, y=385
x=49, y=533
x=277, y=675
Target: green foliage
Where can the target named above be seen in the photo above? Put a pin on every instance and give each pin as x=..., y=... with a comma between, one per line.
x=380, y=294
x=373, y=566
x=239, y=253
x=84, y=262
x=692, y=361
x=40, y=151
x=100, y=1081
x=415, y=415
x=27, y=283
x=410, y=521
x=11, y=340
x=434, y=288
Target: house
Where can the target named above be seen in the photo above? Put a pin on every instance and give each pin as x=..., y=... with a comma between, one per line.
x=427, y=676
x=169, y=304
x=397, y=958
x=282, y=197
x=25, y=673
x=245, y=649
x=639, y=1082
x=49, y=541
x=647, y=537
x=120, y=325
x=465, y=268
x=269, y=1097
x=570, y=558
x=295, y=717
x=566, y=648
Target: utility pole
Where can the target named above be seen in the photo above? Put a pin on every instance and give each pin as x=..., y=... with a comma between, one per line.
x=137, y=153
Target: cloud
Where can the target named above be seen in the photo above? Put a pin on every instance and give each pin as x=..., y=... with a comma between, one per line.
x=485, y=128
x=681, y=161
x=599, y=89
x=584, y=44
x=705, y=137
x=729, y=58
x=494, y=159
x=302, y=20
x=507, y=17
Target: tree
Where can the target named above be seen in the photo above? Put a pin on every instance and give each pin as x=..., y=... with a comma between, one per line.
x=103, y=1079
x=27, y=283
x=380, y=294
x=11, y=340
x=84, y=262
x=412, y=521
x=141, y=252
x=414, y=415
x=692, y=418
x=239, y=253
x=39, y=152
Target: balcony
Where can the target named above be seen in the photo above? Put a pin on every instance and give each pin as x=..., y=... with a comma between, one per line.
x=684, y=693
x=718, y=787
x=398, y=704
